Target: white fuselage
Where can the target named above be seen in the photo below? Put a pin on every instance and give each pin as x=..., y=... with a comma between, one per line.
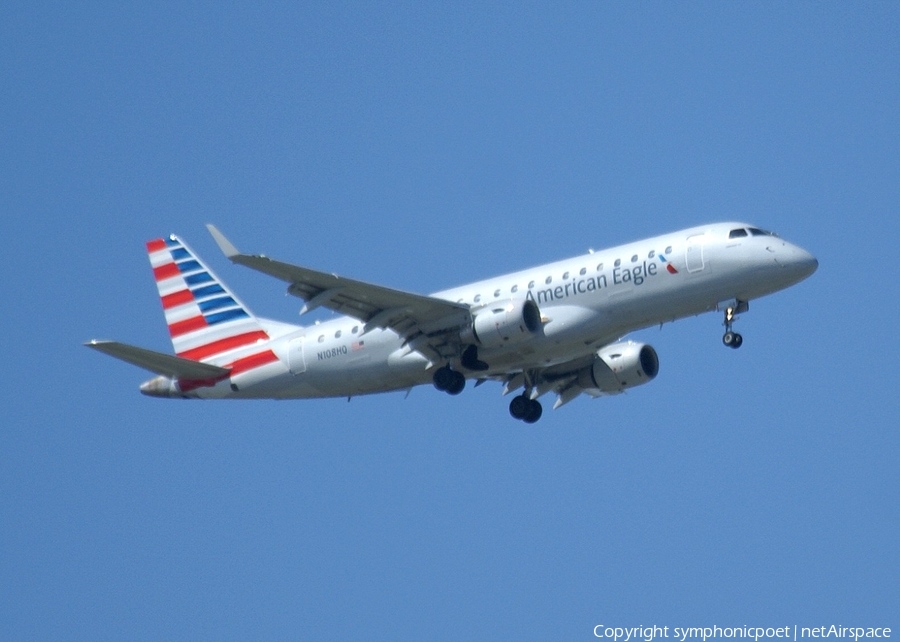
x=585, y=303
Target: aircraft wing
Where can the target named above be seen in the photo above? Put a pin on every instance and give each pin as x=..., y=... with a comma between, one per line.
x=425, y=322
x=158, y=362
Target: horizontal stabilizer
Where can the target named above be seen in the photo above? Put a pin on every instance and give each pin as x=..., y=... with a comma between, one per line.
x=162, y=364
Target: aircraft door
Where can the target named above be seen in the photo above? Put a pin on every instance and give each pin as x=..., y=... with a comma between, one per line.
x=694, y=253
x=296, y=358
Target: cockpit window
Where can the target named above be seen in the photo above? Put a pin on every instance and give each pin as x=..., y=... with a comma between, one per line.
x=755, y=231
x=738, y=233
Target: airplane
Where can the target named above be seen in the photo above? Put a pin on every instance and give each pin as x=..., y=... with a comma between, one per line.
x=557, y=328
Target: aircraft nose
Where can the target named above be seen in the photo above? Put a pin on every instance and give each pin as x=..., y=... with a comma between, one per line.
x=812, y=263
x=799, y=262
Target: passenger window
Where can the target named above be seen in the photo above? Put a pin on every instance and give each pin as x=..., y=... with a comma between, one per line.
x=321, y=338
x=599, y=267
x=355, y=329
x=669, y=250
x=477, y=298
x=496, y=293
x=337, y=335
x=548, y=280
x=736, y=234
x=530, y=284
x=634, y=259
x=583, y=271
x=618, y=262
x=652, y=254
x=565, y=276
x=514, y=289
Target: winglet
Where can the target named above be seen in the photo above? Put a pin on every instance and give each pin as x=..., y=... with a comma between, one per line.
x=228, y=249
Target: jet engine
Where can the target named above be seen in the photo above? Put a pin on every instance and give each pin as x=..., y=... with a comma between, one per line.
x=505, y=323
x=618, y=367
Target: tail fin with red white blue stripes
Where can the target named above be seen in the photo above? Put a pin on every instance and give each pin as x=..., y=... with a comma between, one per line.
x=207, y=322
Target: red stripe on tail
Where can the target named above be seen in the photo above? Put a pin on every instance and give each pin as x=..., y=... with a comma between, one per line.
x=188, y=325
x=176, y=298
x=165, y=271
x=201, y=352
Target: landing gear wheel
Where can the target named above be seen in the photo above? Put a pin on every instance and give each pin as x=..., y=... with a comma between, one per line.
x=518, y=407
x=733, y=340
x=535, y=410
x=525, y=409
x=449, y=381
x=443, y=378
x=458, y=384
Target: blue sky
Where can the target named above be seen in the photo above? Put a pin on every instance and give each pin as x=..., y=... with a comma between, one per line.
x=422, y=146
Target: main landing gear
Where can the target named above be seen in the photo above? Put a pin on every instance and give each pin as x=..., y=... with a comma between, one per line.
x=449, y=381
x=522, y=407
x=525, y=408
x=730, y=338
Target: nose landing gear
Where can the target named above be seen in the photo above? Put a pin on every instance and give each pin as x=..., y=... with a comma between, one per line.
x=730, y=338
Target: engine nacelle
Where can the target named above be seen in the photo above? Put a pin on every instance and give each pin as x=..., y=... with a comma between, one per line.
x=505, y=323
x=618, y=367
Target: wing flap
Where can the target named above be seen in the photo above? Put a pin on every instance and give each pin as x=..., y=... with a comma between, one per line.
x=163, y=364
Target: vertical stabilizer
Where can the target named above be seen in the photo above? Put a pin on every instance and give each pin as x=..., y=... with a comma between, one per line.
x=207, y=322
